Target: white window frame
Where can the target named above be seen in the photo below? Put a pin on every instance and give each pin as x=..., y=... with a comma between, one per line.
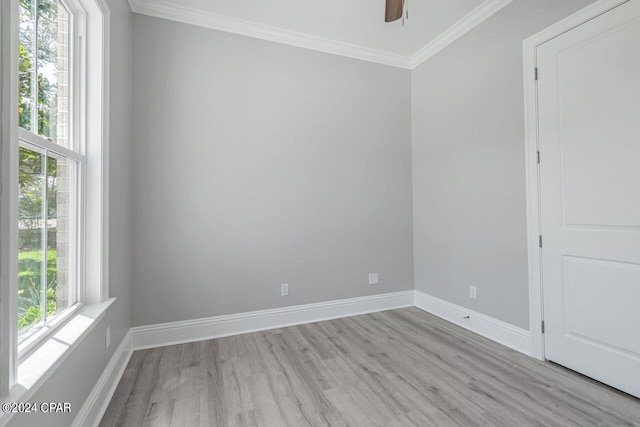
x=31, y=140
x=91, y=23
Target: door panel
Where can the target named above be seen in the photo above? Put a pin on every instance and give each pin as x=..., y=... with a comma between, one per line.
x=597, y=181
x=589, y=127
x=590, y=283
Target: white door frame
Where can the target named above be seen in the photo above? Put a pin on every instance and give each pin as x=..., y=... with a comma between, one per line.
x=534, y=231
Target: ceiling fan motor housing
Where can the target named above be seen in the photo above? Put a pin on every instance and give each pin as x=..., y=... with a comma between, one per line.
x=393, y=10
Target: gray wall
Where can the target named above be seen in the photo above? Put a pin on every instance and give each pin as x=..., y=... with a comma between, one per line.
x=257, y=164
x=468, y=163
x=75, y=378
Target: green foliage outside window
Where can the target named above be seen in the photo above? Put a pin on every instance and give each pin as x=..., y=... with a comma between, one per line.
x=29, y=295
x=40, y=15
x=47, y=12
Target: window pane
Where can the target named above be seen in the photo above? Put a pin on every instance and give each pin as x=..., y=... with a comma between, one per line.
x=44, y=69
x=48, y=182
x=31, y=256
x=46, y=279
x=53, y=71
x=27, y=64
x=61, y=207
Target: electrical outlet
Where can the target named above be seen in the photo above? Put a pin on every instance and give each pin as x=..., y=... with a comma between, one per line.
x=473, y=292
x=373, y=278
x=107, y=337
x=284, y=289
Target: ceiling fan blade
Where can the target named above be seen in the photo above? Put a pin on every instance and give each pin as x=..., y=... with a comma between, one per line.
x=393, y=11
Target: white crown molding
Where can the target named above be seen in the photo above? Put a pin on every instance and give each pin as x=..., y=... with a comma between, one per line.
x=457, y=30
x=496, y=330
x=228, y=24
x=201, y=18
x=164, y=334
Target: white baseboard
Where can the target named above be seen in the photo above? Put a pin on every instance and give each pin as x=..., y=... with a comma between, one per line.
x=504, y=333
x=96, y=404
x=164, y=334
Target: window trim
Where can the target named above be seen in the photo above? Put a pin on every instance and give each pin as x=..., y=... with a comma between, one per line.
x=9, y=194
x=94, y=32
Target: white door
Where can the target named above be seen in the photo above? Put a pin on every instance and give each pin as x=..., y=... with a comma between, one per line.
x=589, y=127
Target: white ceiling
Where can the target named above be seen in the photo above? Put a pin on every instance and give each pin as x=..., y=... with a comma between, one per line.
x=353, y=28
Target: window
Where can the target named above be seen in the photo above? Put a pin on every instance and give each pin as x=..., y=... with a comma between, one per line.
x=54, y=167
x=49, y=171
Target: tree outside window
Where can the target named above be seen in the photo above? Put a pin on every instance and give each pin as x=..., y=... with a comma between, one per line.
x=44, y=176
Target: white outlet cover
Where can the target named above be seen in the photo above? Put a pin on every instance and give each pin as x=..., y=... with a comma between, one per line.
x=473, y=292
x=373, y=278
x=284, y=289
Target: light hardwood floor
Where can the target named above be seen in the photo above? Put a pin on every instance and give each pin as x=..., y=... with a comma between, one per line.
x=395, y=368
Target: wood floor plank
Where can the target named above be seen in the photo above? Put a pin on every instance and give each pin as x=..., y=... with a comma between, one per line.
x=395, y=368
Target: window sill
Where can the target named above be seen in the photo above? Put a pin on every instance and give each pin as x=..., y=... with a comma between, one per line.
x=33, y=342
x=39, y=365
